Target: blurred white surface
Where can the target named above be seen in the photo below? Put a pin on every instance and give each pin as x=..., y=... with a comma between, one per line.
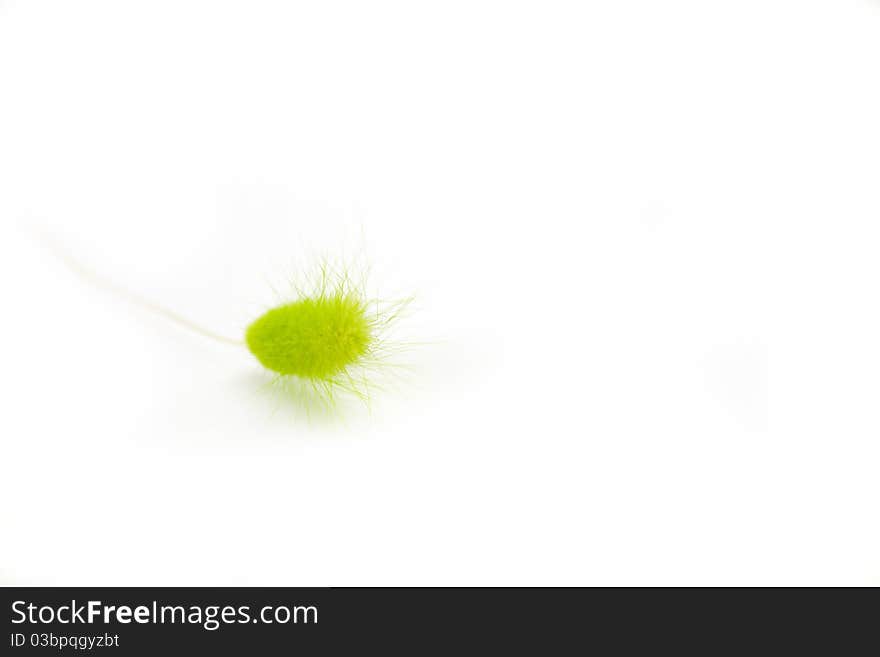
x=644, y=241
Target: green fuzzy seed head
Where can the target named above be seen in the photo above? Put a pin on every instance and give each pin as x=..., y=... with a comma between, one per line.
x=315, y=338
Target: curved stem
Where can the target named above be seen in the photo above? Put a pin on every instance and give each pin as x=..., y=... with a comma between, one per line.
x=136, y=299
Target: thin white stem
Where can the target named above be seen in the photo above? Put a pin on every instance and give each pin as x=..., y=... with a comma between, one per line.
x=131, y=297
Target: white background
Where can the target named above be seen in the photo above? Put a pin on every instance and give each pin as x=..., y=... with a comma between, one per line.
x=644, y=241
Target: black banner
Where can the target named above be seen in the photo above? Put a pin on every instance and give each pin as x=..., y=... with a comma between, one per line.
x=151, y=621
